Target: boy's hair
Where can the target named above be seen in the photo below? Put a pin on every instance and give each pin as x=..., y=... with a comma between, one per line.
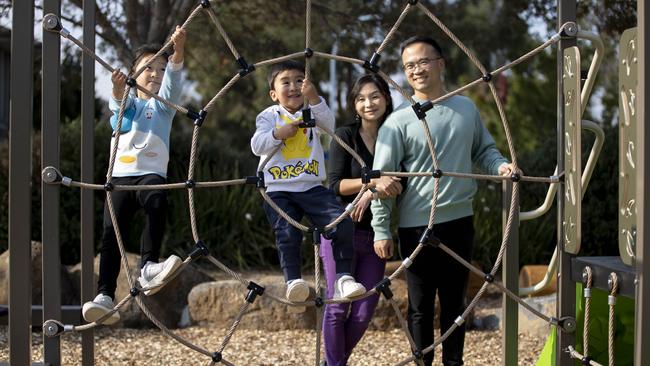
x=381, y=84
x=422, y=39
x=144, y=50
x=283, y=66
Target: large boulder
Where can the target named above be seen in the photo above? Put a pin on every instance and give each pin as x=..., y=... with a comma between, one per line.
x=68, y=294
x=166, y=305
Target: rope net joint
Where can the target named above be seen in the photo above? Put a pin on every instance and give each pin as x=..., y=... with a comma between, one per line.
x=372, y=64
x=244, y=67
x=199, y=250
x=384, y=288
x=421, y=109
x=429, y=239
x=258, y=180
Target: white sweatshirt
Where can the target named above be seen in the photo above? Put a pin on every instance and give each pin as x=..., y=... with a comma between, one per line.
x=299, y=165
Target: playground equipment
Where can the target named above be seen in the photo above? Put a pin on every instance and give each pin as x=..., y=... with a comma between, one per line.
x=570, y=107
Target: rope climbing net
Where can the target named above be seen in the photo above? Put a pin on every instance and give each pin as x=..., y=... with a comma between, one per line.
x=52, y=176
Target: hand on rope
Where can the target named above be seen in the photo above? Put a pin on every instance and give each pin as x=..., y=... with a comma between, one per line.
x=178, y=40
x=308, y=90
x=119, y=83
x=384, y=248
x=387, y=186
x=507, y=169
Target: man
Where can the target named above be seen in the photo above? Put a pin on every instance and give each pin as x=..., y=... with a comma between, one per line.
x=460, y=141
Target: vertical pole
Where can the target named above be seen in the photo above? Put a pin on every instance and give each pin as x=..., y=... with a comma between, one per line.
x=566, y=288
x=510, y=278
x=20, y=154
x=642, y=318
x=50, y=122
x=87, y=175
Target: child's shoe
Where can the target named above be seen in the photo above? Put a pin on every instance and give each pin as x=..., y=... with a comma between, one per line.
x=297, y=291
x=100, y=306
x=346, y=287
x=154, y=274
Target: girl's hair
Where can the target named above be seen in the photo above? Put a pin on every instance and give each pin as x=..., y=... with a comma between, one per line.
x=144, y=50
x=383, y=89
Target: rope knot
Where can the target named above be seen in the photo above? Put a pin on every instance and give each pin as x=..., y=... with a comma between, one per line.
x=108, y=186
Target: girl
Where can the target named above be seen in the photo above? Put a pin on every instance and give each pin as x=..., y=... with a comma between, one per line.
x=345, y=324
x=142, y=156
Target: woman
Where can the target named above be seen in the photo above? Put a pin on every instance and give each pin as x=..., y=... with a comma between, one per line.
x=345, y=324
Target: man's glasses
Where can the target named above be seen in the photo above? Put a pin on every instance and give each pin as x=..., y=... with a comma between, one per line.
x=423, y=63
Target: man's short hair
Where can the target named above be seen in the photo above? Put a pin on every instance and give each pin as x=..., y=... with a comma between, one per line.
x=422, y=39
x=283, y=66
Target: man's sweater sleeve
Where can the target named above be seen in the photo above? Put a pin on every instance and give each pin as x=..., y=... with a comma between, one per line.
x=263, y=141
x=484, y=151
x=389, y=152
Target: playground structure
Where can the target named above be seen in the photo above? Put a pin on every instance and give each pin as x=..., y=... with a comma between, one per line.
x=571, y=104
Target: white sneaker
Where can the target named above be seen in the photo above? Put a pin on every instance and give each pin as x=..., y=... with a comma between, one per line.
x=297, y=291
x=346, y=287
x=100, y=306
x=154, y=274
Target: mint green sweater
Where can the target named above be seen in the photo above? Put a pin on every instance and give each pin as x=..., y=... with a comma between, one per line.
x=460, y=141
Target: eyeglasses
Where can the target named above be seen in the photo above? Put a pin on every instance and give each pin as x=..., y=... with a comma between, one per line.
x=423, y=63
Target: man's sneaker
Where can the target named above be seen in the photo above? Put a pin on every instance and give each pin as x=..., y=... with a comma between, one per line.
x=154, y=274
x=346, y=287
x=297, y=291
x=100, y=306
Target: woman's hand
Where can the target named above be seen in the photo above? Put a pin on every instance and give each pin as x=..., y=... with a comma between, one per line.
x=384, y=248
x=361, y=207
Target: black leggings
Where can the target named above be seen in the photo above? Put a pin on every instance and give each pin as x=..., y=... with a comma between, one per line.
x=125, y=204
x=434, y=270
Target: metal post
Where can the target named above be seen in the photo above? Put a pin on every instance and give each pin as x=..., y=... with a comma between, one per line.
x=566, y=288
x=642, y=318
x=20, y=153
x=50, y=122
x=87, y=170
x=510, y=278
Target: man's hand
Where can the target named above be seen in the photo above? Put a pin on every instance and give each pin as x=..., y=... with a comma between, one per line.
x=384, y=248
x=387, y=186
x=506, y=169
x=119, y=83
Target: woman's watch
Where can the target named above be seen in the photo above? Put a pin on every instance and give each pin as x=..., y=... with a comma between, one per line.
x=375, y=195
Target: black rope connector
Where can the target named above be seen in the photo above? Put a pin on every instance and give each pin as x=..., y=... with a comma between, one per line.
x=429, y=239
x=372, y=64
x=244, y=67
x=254, y=290
x=384, y=288
x=205, y=4
x=437, y=173
x=586, y=360
x=489, y=278
x=487, y=77
x=197, y=117
x=307, y=120
x=566, y=323
x=189, y=184
x=309, y=52
x=131, y=82
x=108, y=186
x=134, y=292
x=367, y=174
x=515, y=177
x=216, y=357
x=418, y=355
x=413, y=2
x=199, y=250
x=316, y=232
x=258, y=180
x=421, y=109
x=318, y=302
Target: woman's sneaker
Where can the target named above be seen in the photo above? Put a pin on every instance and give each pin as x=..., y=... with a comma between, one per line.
x=153, y=275
x=346, y=287
x=100, y=306
x=297, y=291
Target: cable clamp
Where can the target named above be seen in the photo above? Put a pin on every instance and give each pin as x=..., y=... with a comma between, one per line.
x=459, y=321
x=407, y=262
x=244, y=67
x=199, y=250
x=421, y=109
x=587, y=292
x=372, y=64
x=367, y=174
x=429, y=239
x=383, y=287
x=611, y=300
x=307, y=120
x=254, y=290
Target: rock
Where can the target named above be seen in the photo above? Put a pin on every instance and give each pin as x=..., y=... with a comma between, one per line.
x=532, y=325
x=166, y=305
x=68, y=294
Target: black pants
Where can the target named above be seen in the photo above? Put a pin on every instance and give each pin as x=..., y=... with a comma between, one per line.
x=126, y=204
x=434, y=270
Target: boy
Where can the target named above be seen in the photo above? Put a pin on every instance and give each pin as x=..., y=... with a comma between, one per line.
x=294, y=177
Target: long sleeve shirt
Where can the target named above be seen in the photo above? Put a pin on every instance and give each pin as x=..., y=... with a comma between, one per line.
x=460, y=141
x=143, y=146
x=300, y=163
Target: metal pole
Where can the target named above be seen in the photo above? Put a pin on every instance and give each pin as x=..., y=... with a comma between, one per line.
x=510, y=278
x=87, y=170
x=20, y=153
x=566, y=300
x=50, y=122
x=642, y=318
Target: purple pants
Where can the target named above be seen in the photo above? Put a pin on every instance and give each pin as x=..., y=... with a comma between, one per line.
x=345, y=324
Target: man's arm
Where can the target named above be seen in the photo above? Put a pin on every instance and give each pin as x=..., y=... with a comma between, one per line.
x=484, y=151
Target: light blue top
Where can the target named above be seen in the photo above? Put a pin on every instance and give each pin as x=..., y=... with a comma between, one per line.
x=144, y=135
x=460, y=141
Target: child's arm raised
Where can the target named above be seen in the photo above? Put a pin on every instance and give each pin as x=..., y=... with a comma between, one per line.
x=321, y=112
x=172, y=80
x=178, y=39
